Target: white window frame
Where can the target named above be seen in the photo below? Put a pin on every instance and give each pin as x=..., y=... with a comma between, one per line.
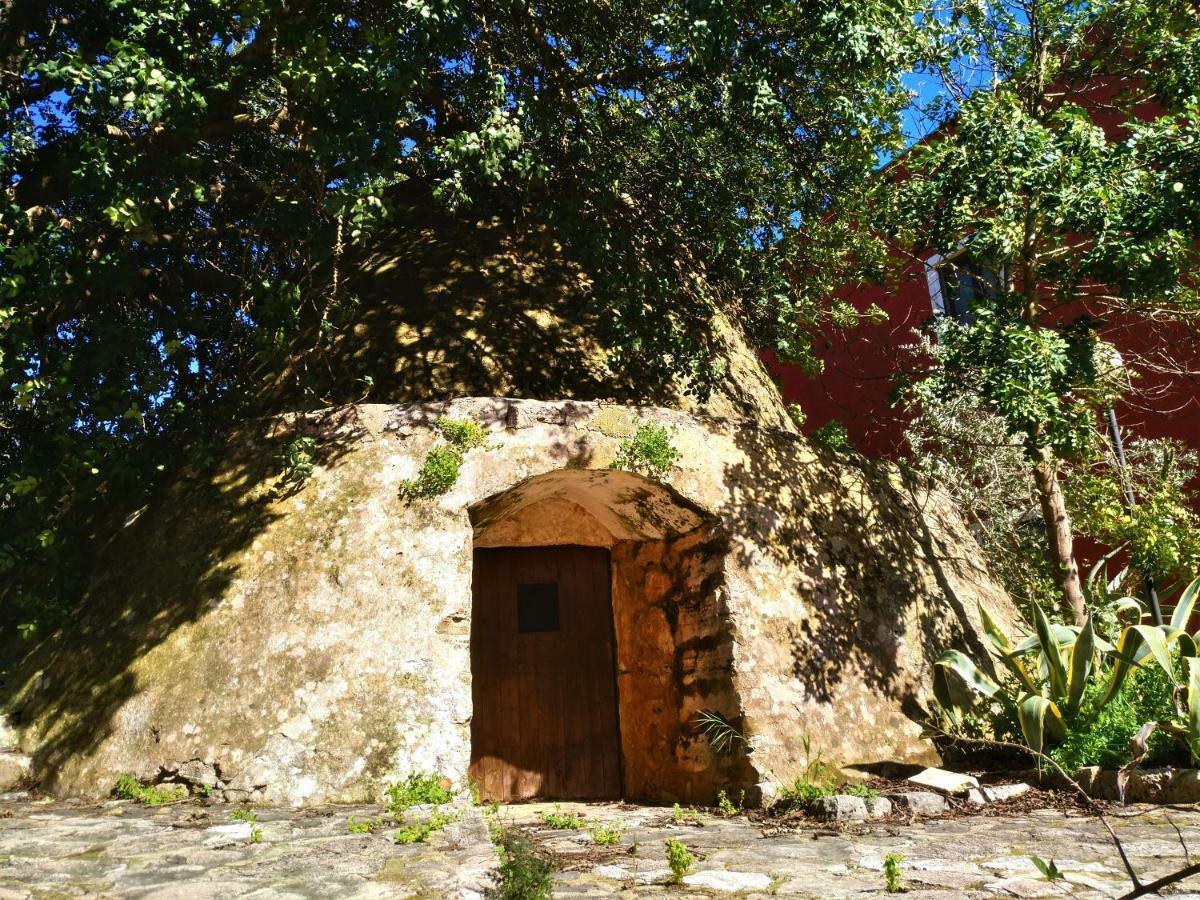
x=934, y=280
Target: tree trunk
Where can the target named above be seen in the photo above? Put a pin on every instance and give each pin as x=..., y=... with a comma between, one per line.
x=1058, y=534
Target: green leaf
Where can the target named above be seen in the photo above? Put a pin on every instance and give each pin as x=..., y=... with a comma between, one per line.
x=1048, y=869
x=1056, y=671
x=1081, y=655
x=970, y=675
x=1185, y=606
x=1040, y=721
x=1192, y=718
x=1157, y=640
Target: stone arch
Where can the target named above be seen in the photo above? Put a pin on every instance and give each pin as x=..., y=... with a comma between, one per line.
x=671, y=630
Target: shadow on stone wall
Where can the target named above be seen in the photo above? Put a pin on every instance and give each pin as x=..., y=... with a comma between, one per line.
x=865, y=550
x=452, y=308
x=166, y=565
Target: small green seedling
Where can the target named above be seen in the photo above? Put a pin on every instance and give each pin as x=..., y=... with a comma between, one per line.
x=679, y=859
x=891, y=872
x=606, y=835
x=727, y=807
x=1048, y=869
x=560, y=820
x=420, y=832
x=256, y=834
x=364, y=826
x=244, y=814
x=688, y=816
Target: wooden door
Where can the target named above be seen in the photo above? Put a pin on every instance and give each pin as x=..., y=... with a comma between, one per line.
x=544, y=690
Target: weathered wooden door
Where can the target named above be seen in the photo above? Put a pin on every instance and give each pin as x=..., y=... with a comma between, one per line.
x=544, y=684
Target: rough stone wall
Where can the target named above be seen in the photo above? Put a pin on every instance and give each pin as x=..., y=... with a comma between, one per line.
x=310, y=643
x=674, y=659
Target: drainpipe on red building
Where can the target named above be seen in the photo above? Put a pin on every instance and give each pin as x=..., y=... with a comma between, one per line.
x=1114, y=433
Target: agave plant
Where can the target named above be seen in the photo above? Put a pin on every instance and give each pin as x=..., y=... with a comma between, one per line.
x=1051, y=669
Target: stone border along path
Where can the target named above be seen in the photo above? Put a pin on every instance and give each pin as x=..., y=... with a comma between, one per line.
x=192, y=850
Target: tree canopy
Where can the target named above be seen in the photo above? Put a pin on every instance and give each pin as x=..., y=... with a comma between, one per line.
x=182, y=180
x=1069, y=168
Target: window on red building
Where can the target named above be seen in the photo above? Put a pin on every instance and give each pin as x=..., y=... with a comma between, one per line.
x=957, y=282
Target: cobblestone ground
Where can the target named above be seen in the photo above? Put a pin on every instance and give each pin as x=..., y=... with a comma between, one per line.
x=190, y=850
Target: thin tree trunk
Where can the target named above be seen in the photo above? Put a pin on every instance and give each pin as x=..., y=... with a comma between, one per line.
x=1059, y=540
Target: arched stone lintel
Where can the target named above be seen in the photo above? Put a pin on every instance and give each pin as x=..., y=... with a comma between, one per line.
x=590, y=507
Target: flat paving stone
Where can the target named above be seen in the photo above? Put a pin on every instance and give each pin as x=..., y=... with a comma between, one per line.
x=118, y=849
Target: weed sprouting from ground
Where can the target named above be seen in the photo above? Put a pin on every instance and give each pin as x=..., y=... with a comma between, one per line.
x=524, y=873
x=606, y=835
x=679, y=859
x=891, y=873
x=129, y=788
x=419, y=832
x=561, y=820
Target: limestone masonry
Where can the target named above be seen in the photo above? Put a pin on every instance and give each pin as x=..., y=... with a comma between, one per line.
x=312, y=642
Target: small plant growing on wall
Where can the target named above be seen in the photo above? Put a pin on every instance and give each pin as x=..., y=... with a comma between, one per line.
x=440, y=470
x=418, y=790
x=649, y=452
x=129, y=788
x=296, y=461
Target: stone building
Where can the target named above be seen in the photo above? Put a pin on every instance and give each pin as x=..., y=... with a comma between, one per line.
x=548, y=626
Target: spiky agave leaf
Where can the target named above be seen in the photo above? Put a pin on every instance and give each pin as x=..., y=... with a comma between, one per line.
x=1040, y=719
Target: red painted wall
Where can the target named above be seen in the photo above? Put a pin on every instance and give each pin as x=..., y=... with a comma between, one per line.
x=860, y=365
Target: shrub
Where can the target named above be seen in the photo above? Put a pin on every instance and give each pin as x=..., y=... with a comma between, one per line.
x=1045, y=695
x=649, y=452
x=296, y=460
x=416, y=790
x=1104, y=732
x=679, y=859
x=524, y=873
x=803, y=792
x=129, y=788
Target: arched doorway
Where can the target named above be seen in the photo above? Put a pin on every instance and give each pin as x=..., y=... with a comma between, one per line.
x=599, y=630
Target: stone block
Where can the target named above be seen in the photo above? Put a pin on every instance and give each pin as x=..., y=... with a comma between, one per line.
x=946, y=782
x=1086, y=777
x=1185, y=787
x=14, y=768
x=728, y=882
x=996, y=793
x=839, y=808
x=878, y=807
x=920, y=803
